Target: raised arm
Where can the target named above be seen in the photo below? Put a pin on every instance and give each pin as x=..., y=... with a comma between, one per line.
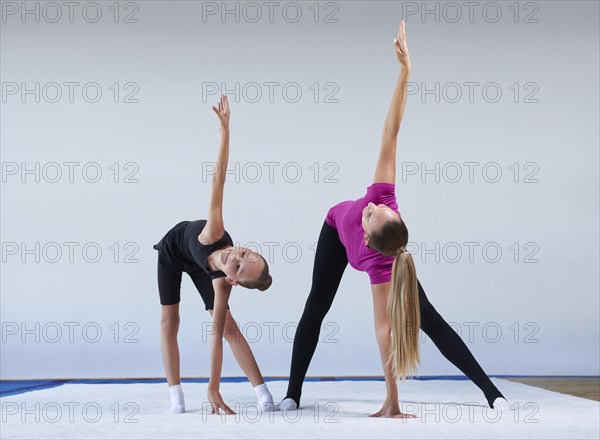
x=386, y=164
x=222, y=291
x=214, y=228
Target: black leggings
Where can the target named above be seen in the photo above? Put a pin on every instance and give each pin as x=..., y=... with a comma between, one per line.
x=169, y=284
x=330, y=263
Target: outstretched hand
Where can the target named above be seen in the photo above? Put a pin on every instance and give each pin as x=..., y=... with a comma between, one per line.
x=392, y=410
x=222, y=111
x=401, y=46
x=216, y=402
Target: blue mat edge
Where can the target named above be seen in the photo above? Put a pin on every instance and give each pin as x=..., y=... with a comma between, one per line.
x=13, y=387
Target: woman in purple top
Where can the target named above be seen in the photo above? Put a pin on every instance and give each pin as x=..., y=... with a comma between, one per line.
x=370, y=234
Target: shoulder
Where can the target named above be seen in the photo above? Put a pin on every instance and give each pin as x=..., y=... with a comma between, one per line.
x=382, y=193
x=381, y=188
x=221, y=285
x=206, y=237
x=380, y=269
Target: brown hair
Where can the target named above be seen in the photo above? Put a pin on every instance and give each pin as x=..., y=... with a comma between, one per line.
x=403, y=300
x=264, y=280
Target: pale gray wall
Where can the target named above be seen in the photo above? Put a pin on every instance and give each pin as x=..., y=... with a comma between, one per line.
x=547, y=310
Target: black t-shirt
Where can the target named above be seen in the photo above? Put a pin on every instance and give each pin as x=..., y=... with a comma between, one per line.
x=180, y=248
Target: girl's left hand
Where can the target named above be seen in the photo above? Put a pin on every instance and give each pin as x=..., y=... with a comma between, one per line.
x=216, y=402
x=392, y=410
x=402, y=47
x=222, y=111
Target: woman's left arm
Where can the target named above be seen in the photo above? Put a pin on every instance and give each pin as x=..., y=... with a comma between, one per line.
x=214, y=228
x=390, y=407
x=386, y=164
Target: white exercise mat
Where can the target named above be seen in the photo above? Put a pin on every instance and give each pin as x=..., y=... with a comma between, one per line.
x=444, y=409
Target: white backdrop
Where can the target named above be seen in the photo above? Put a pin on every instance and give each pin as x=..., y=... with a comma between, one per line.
x=497, y=175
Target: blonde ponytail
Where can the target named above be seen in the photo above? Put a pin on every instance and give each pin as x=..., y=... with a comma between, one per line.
x=403, y=299
x=405, y=316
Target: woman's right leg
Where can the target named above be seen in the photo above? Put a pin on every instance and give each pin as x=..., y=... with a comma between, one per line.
x=329, y=266
x=169, y=288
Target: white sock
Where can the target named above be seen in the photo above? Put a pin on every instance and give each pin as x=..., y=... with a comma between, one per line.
x=287, y=404
x=264, y=397
x=177, y=402
x=502, y=403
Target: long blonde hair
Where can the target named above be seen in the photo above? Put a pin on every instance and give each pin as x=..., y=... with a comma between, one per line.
x=403, y=300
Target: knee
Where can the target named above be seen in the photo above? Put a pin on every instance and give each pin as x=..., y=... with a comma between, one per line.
x=430, y=319
x=169, y=323
x=231, y=331
x=314, y=312
x=383, y=331
x=232, y=334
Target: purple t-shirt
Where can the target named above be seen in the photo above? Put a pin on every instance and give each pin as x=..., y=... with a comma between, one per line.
x=346, y=217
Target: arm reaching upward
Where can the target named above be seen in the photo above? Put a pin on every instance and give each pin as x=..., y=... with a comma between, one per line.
x=214, y=228
x=386, y=164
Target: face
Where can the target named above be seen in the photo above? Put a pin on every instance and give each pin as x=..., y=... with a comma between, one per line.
x=241, y=264
x=375, y=216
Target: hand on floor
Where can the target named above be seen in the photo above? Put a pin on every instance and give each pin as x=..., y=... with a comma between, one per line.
x=216, y=401
x=392, y=410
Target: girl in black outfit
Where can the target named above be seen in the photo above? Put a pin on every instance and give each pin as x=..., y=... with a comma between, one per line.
x=204, y=250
